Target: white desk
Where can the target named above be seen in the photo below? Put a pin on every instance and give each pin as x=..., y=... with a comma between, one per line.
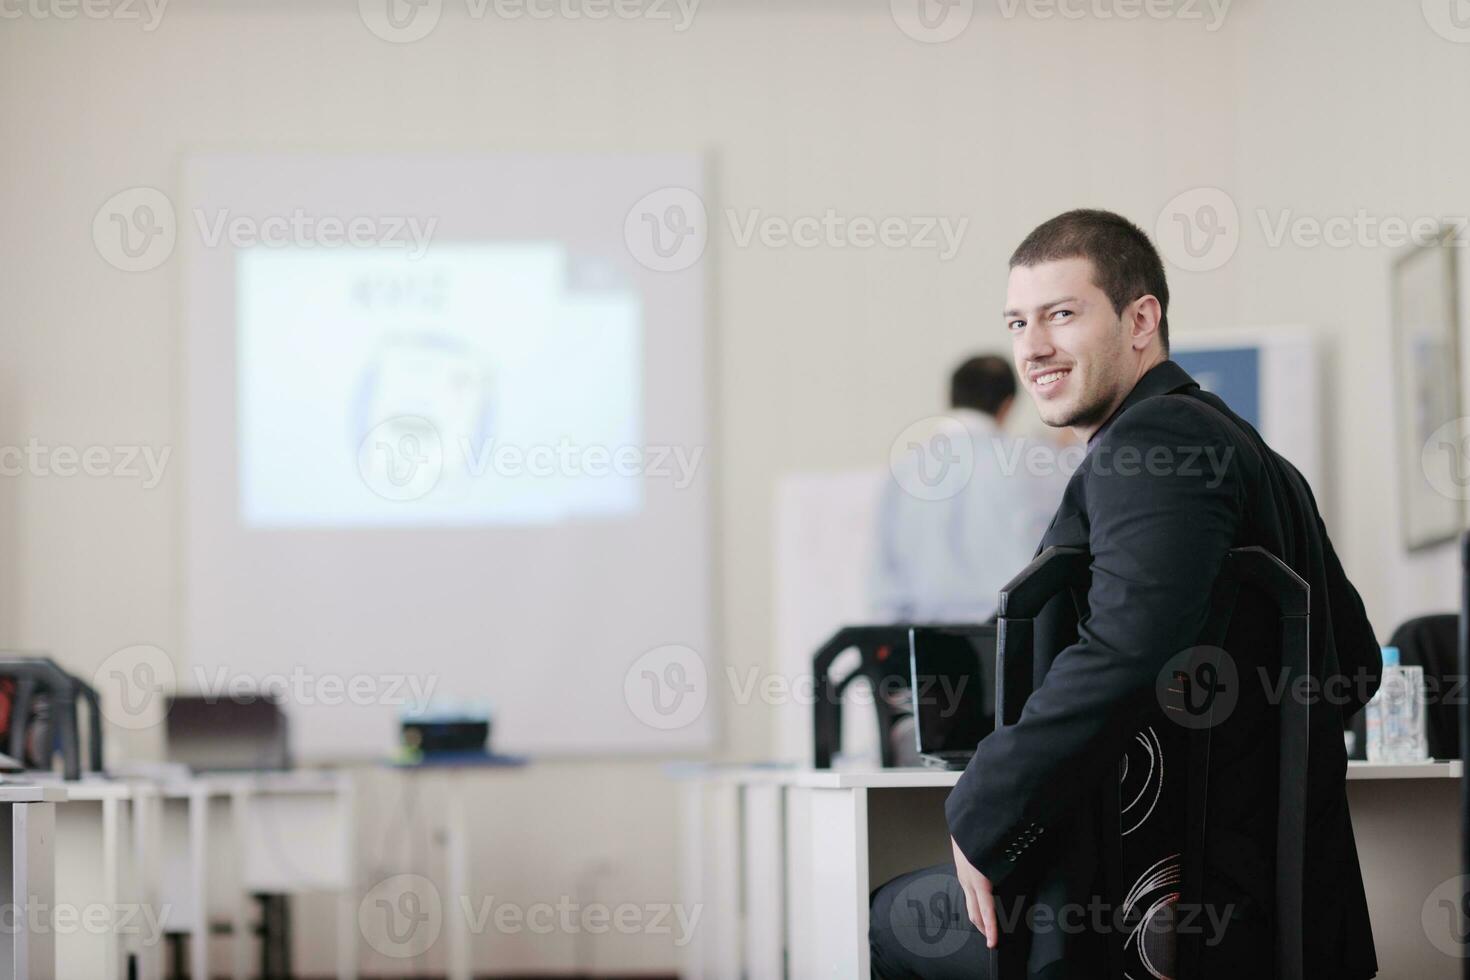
x=845, y=833
x=283, y=833
x=105, y=877
x=455, y=897
x=27, y=879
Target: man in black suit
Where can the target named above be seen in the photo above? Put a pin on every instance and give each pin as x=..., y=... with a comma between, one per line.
x=1171, y=482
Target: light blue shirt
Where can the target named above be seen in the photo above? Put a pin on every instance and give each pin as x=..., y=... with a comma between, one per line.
x=946, y=560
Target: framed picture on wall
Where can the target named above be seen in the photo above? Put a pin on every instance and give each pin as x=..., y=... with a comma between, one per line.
x=1272, y=377
x=1433, y=476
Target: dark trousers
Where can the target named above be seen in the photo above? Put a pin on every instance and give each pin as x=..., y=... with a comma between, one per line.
x=919, y=930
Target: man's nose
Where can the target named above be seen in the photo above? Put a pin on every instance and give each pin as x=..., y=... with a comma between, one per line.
x=1034, y=344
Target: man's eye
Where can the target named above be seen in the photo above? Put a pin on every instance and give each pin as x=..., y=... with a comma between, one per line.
x=1015, y=324
x=1061, y=313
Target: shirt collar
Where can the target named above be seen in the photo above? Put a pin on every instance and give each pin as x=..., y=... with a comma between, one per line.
x=978, y=422
x=1161, y=379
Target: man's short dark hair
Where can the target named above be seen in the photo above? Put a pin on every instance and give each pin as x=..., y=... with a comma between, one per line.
x=1125, y=263
x=982, y=383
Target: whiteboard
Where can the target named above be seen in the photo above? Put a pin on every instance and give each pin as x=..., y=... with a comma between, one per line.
x=825, y=534
x=457, y=462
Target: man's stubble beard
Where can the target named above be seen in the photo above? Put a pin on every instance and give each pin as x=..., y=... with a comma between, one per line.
x=1091, y=409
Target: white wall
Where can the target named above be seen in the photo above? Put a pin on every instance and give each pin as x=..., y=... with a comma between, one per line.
x=821, y=356
x=1342, y=107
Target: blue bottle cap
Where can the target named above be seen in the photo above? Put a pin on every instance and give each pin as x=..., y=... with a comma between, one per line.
x=1390, y=656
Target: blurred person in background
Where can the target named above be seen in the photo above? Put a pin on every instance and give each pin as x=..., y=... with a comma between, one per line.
x=946, y=545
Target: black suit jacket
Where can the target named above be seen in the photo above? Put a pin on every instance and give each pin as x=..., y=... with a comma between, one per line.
x=1166, y=489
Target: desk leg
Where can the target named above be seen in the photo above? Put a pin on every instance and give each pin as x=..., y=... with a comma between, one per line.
x=27, y=882
x=722, y=912
x=457, y=879
x=147, y=858
x=347, y=898
x=827, y=841
x=112, y=885
x=692, y=846
x=199, y=881
x=240, y=938
x=762, y=851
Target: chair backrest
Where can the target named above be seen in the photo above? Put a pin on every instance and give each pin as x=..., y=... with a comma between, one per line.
x=41, y=677
x=883, y=663
x=1020, y=669
x=1431, y=642
x=1462, y=709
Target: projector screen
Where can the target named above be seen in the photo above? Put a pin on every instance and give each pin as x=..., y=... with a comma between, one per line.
x=456, y=462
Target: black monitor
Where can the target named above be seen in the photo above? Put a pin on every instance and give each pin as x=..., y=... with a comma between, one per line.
x=952, y=678
x=226, y=734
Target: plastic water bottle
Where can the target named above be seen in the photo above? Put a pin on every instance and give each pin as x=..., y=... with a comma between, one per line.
x=1395, y=716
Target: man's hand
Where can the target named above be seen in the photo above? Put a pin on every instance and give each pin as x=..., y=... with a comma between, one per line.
x=979, y=901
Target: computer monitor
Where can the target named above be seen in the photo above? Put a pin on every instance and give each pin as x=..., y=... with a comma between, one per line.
x=952, y=677
x=224, y=734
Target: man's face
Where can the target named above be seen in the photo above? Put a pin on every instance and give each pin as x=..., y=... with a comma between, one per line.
x=1072, y=350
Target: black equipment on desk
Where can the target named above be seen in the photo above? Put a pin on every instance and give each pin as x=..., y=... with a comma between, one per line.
x=952, y=690
x=226, y=734
x=883, y=664
x=43, y=717
x=1430, y=642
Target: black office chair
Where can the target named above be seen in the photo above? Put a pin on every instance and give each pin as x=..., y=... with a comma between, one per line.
x=1431, y=642
x=45, y=715
x=1462, y=712
x=884, y=664
x=1019, y=671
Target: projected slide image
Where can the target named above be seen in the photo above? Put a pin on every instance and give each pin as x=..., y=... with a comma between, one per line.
x=481, y=384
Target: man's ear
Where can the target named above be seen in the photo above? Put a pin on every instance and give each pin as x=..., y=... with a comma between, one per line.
x=1144, y=314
